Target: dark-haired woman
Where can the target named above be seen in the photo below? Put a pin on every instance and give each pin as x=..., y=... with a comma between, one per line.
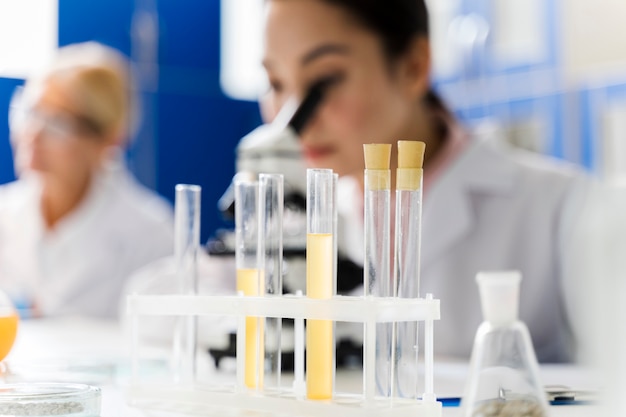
x=485, y=208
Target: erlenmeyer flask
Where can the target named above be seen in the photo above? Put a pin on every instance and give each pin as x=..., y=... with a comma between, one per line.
x=8, y=325
x=504, y=373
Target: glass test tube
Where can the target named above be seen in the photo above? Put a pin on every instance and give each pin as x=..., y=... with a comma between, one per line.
x=320, y=346
x=377, y=268
x=334, y=282
x=249, y=278
x=271, y=203
x=408, y=231
x=186, y=246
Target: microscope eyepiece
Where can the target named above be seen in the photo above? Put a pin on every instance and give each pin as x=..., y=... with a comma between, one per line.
x=311, y=102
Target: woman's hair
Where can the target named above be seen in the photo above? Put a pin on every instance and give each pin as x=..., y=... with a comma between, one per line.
x=397, y=23
x=98, y=81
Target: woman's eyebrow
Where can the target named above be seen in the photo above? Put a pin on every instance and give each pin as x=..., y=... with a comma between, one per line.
x=324, y=49
x=315, y=53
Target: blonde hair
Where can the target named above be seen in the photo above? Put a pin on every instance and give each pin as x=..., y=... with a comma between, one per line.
x=98, y=80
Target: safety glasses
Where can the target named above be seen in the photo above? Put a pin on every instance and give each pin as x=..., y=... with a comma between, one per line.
x=53, y=125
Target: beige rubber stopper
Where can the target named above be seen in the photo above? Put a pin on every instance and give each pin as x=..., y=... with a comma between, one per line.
x=411, y=154
x=377, y=155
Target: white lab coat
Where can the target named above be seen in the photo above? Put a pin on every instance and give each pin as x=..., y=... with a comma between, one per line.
x=600, y=246
x=80, y=266
x=495, y=209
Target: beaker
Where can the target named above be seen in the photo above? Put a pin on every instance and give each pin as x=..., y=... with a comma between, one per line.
x=504, y=373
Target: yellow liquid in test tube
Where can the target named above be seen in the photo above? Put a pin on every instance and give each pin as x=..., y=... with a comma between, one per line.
x=8, y=331
x=249, y=282
x=319, y=333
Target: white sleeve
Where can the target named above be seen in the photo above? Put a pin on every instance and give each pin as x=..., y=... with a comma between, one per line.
x=594, y=261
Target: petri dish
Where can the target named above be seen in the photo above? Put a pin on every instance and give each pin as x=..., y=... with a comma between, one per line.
x=44, y=399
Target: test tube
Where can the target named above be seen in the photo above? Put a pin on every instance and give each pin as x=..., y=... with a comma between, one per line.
x=320, y=259
x=186, y=246
x=334, y=282
x=408, y=232
x=249, y=279
x=271, y=202
x=377, y=268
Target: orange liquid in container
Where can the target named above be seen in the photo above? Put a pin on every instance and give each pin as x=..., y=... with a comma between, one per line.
x=319, y=333
x=248, y=281
x=8, y=331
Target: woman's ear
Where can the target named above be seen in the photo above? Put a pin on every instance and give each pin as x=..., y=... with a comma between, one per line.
x=415, y=67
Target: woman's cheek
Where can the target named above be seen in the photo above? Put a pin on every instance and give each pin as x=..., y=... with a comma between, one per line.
x=349, y=116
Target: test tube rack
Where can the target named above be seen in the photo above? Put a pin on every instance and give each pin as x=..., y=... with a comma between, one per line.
x=291, y=401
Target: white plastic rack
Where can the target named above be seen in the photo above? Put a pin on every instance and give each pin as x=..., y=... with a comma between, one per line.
x=238, y=400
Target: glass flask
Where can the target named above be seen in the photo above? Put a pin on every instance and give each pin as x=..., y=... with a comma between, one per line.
x=8, y=325
x=503, y=378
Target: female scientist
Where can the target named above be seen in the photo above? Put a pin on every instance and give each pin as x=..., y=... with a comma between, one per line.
x=485, y=208
x=76, y=224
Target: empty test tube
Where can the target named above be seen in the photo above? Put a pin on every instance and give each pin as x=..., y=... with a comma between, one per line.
x=377, y=268
x=320, y=260
x=186, y=246
x=408, y=231
x=271, y=202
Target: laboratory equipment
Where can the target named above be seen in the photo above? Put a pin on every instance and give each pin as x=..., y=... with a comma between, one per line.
x=377, y=268
x=274, y=147
x=44, y=399
x=221, y=398
x=8, y=325
x=320, y=260
x=250, y=279
x=504, y=373
x=186, y=245
x=408, y=233
x=216, y=394
x=270, y=261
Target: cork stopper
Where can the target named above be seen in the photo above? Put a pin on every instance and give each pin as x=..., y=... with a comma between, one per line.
x=411, y=154
x=377, y=155
x=410, y=162
x=377, y=162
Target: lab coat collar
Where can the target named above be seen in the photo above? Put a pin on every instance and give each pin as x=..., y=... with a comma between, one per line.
x=480, y=169
x=77, y=222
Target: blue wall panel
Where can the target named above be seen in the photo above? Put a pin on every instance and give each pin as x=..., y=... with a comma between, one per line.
x=106, y=21
x=189, y=33
x=197, y=146
x=7, y=86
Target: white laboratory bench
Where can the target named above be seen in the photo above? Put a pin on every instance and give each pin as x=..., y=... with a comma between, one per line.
x=46, y=347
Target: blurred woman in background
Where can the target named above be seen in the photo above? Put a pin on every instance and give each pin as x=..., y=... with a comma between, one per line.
x=76, y=223
x=485, y=207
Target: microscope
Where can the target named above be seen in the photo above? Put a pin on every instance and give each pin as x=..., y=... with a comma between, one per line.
x=274, y=148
